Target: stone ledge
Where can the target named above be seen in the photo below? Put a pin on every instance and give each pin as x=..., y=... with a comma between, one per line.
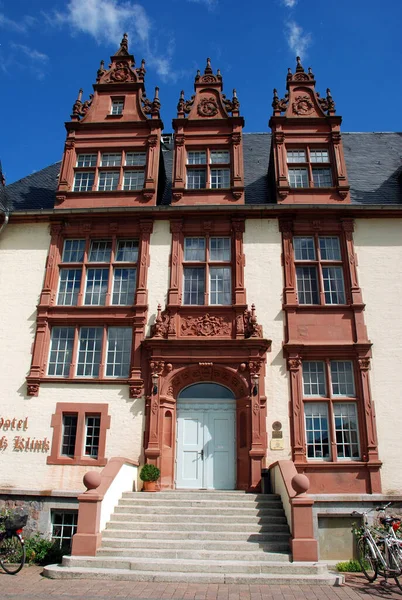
x=40, y=493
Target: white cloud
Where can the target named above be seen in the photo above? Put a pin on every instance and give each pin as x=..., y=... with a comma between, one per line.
x=210, y=4
x=107, y=20
x=20, y=26
x=34, y=55
x=298, y=41
x=32, y=60
x=289, y=3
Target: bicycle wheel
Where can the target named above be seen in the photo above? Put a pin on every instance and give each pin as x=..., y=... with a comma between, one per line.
x=367, y=559
x=12, y=554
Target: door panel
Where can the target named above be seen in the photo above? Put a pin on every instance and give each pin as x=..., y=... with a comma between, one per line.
x=206, y=448
x=220, y=463
x=190, y=443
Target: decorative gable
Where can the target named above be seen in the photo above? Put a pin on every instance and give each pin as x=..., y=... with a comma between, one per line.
x=111, y=155
x=308, y=153
x=208, y=162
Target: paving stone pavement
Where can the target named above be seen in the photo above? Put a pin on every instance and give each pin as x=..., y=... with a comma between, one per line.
x=29, y=585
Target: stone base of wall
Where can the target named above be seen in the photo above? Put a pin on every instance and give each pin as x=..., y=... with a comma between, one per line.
x=333, y=520
x=38, y=504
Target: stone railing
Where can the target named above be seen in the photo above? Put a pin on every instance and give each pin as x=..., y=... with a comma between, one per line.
x=298, y=506
x=104, y=490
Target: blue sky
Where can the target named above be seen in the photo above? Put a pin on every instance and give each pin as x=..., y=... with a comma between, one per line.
x=51, y=48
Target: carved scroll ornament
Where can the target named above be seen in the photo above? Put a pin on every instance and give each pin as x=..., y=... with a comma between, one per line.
x=205, y=326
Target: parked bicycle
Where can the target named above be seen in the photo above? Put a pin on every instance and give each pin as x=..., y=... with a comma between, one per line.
x=12, y=546
x=379, y=552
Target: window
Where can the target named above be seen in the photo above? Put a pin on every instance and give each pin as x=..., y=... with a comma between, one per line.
x=110, y=171
x=90, y=344
x=319, y=270
x=206, y=272
x=64, y=526
x=92, y=273
x=305, y=172
x=208, y=169
x=117, y=106
x=334, y=415
x=79, y=434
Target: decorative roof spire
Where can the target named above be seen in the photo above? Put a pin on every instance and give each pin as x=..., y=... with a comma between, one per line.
x=299, y=67
x=123, y=50
x=208, y=69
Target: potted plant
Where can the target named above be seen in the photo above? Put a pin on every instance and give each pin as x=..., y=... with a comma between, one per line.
x=149, y=474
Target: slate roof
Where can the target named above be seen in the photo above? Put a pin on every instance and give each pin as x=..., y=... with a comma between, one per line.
x=373, y=161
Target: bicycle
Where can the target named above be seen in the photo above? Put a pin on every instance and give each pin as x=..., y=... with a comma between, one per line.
x=12, y=546
x=381, y=556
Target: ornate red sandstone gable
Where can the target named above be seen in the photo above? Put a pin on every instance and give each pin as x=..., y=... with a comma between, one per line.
x=208, y=163
x=308, y=153
x=111, y=155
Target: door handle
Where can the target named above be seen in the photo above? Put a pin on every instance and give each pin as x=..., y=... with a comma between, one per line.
x=202, y=454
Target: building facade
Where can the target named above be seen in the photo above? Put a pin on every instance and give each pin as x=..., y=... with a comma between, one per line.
x=209, y=301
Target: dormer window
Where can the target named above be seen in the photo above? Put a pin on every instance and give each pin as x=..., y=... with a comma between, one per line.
x=117, y=106
x=303, y=172
x=208, y=169
x=110, y=171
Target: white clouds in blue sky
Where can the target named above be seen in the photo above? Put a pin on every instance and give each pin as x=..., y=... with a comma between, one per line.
x=211, y=4
x=107, y=20
x=20, y=26
x=298, y=40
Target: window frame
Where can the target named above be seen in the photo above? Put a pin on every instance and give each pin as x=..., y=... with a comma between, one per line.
x=82, y=411
x=331, y=400
x=207, y=265
x=309, y=165
x=119, y=103
x=320, y=264
x=78, y=350
x=87, y=265
x=98, y=170
x=209, y=166
x=59, y=538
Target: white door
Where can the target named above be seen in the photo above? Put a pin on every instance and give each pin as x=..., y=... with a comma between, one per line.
x=190, y=433
x=206, y=446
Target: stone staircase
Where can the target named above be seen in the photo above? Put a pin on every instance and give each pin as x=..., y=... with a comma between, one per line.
x=196, y=536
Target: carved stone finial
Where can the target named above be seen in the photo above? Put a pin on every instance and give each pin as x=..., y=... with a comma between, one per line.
x=299, y=67
x=156, y=105
x=208, y=68
x=124, y=42
x=219, y=74
x=251, y=326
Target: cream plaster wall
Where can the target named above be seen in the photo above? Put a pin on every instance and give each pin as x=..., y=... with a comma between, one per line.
x=378, y=244
x=159, y=271
x=264, y=285
x=23, y=251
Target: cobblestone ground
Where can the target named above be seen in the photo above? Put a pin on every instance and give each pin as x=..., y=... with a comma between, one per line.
x=29, y=584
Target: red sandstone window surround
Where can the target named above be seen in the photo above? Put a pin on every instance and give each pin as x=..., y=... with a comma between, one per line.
x=319, y=269
x=208, y=169
x=106, y=171
x=207, y=272
x=330, y=410
x=79, y=434
x=91, y=314
x=309, y=167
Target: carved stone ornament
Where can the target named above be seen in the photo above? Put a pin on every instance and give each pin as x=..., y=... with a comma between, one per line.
x=33, y=389
x=280, y=105
x=121, y=72
x=206, y=326
x=303, y=105
x=301, y=77
x=251, y=327
x=136, y=389
x=294, y=363
x=207, y=107
x=160, y=329
x=208, y=79
x=364, y=364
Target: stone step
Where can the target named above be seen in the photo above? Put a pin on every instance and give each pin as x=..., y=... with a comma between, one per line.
x=204, y=495
x=73, y=572
x=191, y=534
x=121, y=539
x=200, y=510
x=196, y=566
x=152, y=553
x=198, y=518
x=200, y=504
x=213, y=524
